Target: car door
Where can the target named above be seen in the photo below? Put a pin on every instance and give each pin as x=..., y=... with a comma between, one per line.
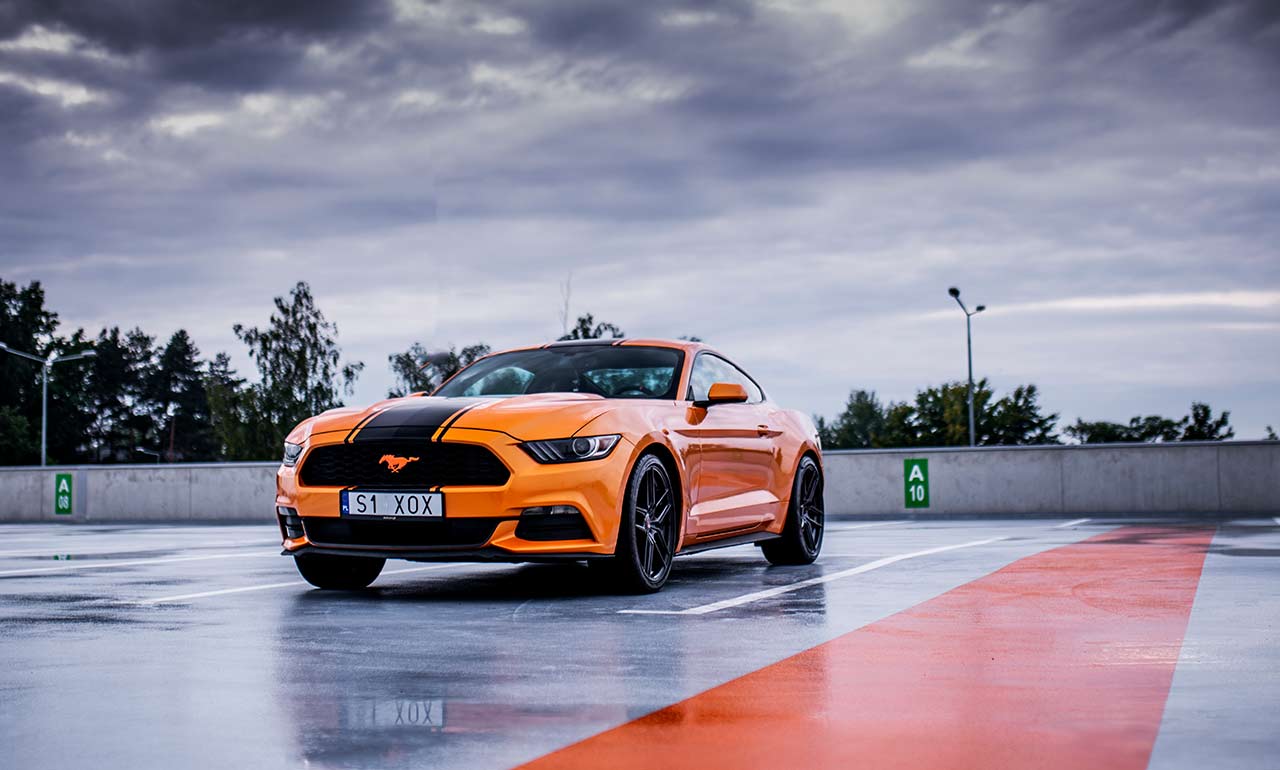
x=735, y=452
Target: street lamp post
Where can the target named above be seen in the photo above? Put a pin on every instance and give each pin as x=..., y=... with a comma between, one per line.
x=968, y=333
x=45, y=365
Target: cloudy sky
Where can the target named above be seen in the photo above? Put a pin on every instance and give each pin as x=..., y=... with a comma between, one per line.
x=796, y=182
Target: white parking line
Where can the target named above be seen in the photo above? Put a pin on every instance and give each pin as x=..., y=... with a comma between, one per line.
x=770, y=592
x=1277, y=521
x=845, y=527
x=52, y=550
x=133, y=563
x=266, y=586
x=1072, y=523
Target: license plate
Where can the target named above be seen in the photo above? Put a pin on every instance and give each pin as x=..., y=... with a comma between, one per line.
x=393, y=505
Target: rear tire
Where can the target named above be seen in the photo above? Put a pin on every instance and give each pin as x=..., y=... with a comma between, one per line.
x=341, y=573
x=801, y=539
x=647, y=530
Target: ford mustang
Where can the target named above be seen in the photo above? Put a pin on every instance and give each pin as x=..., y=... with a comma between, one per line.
x=622, y=453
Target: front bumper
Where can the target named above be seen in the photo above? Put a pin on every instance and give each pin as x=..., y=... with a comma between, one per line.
x=595, y=488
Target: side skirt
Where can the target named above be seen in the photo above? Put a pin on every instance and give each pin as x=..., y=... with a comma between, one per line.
x=728, y=542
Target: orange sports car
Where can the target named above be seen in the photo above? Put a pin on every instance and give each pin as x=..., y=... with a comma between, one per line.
x=623, y=453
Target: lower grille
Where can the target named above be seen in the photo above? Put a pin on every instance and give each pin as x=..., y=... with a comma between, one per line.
x=559, y=527
x=448, y=533
x=290, y=523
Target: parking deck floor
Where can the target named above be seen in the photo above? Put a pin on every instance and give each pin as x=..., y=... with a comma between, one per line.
x=1030, y=643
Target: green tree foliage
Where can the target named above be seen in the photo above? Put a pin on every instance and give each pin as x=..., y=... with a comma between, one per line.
x=167, y=400
x=233, y=420
x=1199, y=425
x=16, y=444
x=25, y=325
x=1017, y=419
x=180, y=403
x=1271, y=434
x=118, y=395
x=71, y=403
x=860, y=426
x=300, y=368
x=588, y=329
x=939, y=416
x=418, y=371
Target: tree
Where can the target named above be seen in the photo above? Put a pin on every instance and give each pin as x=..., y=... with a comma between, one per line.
x=826, y=432
x=859, y=426
x=16, y=444
x=72, y=403
x=1016, y=419
x=939, y=416
x=418, y=371
x=588, y=329
x=26, y=325
x=117, y=395
x=300, y=367
x=1150, y=429
x=1100, y=432
x=900, y=428
x=1271, y=434
x=1201, y=425
x=180, y=404
x=942, y=414
x=237, y=431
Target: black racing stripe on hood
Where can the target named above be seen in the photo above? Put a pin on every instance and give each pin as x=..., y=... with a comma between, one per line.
x=458, y=414
x=417, y=419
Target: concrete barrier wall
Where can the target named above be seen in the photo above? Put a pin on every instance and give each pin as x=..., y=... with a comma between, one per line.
x=156, y=493
x=1229, y=478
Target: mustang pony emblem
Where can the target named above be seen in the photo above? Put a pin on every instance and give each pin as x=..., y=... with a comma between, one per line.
x=396, y=463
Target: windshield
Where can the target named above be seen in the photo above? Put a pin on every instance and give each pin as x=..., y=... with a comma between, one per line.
x=613, y=372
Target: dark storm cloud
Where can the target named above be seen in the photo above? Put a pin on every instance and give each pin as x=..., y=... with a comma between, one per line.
x=1253, y=22
x=130, y=26
x=868, y=148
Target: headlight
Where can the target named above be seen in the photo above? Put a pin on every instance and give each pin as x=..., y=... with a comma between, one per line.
x=571, y=450
x=291, y=454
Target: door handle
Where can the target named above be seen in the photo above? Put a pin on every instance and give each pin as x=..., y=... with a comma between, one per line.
x=763, y=430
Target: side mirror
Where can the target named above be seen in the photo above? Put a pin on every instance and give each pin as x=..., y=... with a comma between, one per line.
x=723, y=393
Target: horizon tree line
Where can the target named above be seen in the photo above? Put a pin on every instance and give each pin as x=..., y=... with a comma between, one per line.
x=139, y=400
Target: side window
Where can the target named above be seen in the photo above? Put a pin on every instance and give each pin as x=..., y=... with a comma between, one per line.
x=709, y=369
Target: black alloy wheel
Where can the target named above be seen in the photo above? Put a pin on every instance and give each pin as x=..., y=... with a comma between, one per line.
x=648, y=530
x=801, y=539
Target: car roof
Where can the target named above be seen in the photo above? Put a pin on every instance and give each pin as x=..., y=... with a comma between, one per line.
x=686, y=345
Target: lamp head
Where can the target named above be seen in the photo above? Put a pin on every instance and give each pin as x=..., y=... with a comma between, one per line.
x=980, y=308
x=953, y=291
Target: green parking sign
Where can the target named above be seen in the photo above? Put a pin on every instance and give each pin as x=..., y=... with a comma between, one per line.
x=915, y=477
x=62, y=494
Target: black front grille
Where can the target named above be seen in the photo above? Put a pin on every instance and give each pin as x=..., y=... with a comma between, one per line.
x=445, y=464
x=446, y=533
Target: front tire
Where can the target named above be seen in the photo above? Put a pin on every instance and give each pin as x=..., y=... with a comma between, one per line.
x=801, y=539
x=647, y=531
x=341, y=573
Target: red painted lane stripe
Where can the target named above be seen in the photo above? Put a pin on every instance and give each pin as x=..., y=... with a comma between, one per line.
x=1060, y=660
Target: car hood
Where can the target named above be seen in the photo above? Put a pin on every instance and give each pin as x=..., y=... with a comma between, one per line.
x=535, y=416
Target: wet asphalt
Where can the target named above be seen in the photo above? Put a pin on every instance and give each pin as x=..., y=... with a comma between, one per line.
x=188, y=646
